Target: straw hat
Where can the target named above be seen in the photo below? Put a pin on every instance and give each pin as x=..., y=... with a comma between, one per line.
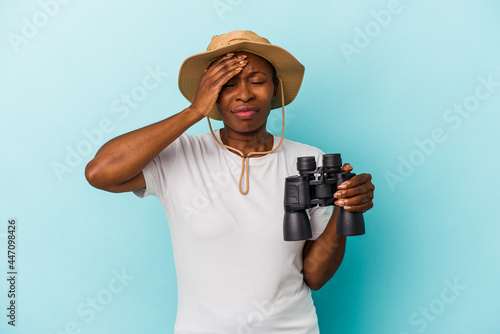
x=289, y=69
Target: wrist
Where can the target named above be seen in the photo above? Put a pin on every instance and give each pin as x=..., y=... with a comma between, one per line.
x=193, y=114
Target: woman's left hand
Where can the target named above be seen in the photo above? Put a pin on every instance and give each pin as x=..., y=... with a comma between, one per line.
x=355, y=194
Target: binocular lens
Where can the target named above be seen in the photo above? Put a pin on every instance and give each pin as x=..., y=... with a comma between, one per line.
x=306, y=164
x=296, y=226
x=332, y=160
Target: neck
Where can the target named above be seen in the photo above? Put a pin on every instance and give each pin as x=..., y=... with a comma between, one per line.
x=257, y=141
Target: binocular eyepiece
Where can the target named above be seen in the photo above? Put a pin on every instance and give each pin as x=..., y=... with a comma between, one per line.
x=315, y=187
x=308, y=164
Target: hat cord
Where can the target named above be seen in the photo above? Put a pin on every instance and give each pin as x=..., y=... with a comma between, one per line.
x=245, y=157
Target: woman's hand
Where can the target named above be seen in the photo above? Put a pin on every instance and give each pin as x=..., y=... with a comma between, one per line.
x=356, y=194
x=211, y=82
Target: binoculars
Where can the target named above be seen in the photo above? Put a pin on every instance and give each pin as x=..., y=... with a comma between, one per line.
x=315, y=187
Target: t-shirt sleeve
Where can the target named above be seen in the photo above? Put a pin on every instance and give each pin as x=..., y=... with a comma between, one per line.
x=156, y=173
x=152, y=175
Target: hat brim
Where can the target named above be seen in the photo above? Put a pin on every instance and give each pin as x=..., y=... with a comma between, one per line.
x=288, y=68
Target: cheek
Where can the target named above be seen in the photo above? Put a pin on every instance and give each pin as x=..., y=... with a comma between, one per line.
x=267, y=93
x=222, y=100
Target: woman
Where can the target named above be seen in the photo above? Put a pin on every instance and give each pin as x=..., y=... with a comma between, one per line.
x=223, y=193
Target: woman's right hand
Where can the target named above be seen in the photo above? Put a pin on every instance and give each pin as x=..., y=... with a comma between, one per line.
x=211, y=82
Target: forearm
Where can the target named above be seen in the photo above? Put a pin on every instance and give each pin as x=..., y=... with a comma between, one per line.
x=124, y=157
x=323, y=256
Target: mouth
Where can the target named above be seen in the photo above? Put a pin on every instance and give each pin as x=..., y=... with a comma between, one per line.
x=245, y=112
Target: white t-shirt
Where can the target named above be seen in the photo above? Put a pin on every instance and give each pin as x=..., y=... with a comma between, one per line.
x=235, y=273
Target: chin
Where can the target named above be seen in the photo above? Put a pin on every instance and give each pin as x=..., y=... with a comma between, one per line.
x=244, y=128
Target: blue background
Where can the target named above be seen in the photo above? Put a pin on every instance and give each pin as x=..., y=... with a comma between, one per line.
x=383, y=93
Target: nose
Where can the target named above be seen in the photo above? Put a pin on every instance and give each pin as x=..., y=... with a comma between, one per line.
x=244, y=92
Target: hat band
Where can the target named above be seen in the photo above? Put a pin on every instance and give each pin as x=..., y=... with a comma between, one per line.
x=237, y=40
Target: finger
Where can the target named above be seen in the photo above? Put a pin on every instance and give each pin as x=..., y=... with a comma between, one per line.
x=220, y=59
x=230, y=68
x=357, y=200
x=359, y=208
x=367, y=188
x=355, y=181
x=225, y=60
x=347, y=167
x=222, y=73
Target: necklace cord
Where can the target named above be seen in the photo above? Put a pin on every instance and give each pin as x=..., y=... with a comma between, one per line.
x=245, y=167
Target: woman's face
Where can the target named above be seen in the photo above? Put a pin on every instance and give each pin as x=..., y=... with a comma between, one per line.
x=245, y=100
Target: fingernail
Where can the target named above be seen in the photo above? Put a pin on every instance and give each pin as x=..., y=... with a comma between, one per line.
x=242, y=56
x=347, y=207
x=230, y=55
x=243, y=62
x=342, y=186
x=340, y=202
x=337, y=195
